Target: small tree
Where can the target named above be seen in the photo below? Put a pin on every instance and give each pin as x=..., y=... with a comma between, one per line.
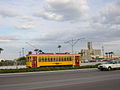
x=81, y=53
x=1, y=49
x=21, y=61
x=59, y=46
x=40, y=51
x=107, y=54
x=111, y=54
x=30, y=52
x=36, y=51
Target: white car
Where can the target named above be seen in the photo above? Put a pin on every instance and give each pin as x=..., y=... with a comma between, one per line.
x=109, y=65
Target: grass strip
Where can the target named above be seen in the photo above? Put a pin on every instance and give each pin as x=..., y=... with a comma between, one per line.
x=45, y=69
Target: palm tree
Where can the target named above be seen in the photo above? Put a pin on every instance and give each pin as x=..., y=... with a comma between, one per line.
x=111, y=54
x=36, y=51
x=40, y=51
x=106, y=54
x=30, y=52
x=59, y=46
x=81, y=53
x=1, y=49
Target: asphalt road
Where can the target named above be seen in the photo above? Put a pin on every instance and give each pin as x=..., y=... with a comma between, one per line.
x=88, y=79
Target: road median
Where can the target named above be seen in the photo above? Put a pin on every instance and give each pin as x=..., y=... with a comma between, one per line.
x=45, y=69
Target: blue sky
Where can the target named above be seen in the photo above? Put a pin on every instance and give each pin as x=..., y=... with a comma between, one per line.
x=48, y=23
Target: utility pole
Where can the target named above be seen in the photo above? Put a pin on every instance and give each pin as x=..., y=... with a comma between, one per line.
x=73, y=42
x=103, y=51
x=20, y=54
x=23, y=52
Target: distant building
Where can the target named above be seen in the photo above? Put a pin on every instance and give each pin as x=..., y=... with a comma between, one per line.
x=88, y=53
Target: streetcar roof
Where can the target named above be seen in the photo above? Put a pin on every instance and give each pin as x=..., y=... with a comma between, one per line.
x=54, y=54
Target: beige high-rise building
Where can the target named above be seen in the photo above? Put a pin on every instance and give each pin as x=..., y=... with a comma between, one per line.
x=88, y=53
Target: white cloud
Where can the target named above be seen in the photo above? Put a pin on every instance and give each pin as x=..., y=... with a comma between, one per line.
x=110, y=14
x=9, y=38
x=68, y=10
x=23, y=15
x=48, y=15
x=107, y=22
x=8, y=12
x=5, y=41
x=24, y=27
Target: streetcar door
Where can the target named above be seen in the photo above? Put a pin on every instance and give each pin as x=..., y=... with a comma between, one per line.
x=77, y=60
x=34, y=62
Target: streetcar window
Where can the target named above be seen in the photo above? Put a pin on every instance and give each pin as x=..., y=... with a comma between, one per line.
x=39, y=59
x=70, y=58
x=53, y=59
x=56, y=58
x=59, y=58
x=63, y=58
x=67, y=58
x=45, y=59
x=27, y=59
x=49, y=59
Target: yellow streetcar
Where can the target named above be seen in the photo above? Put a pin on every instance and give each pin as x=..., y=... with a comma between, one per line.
x=51, y=59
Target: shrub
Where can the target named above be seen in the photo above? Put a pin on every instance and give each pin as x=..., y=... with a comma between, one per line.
x=45, y=69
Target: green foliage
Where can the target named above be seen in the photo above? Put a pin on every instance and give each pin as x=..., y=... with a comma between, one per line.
x=45, y=69
x=30, y=52
x=6, y=63
x=36, y=51
x=59, y=46
x=1, y=49
x=21, y=61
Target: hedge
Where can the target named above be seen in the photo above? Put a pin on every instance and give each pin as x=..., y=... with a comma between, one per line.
x=45, y=69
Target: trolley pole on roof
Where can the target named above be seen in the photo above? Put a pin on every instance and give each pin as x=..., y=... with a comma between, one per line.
x=72, y=43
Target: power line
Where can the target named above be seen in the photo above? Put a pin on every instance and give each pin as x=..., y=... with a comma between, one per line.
x=73, y=42
x=31, y=45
